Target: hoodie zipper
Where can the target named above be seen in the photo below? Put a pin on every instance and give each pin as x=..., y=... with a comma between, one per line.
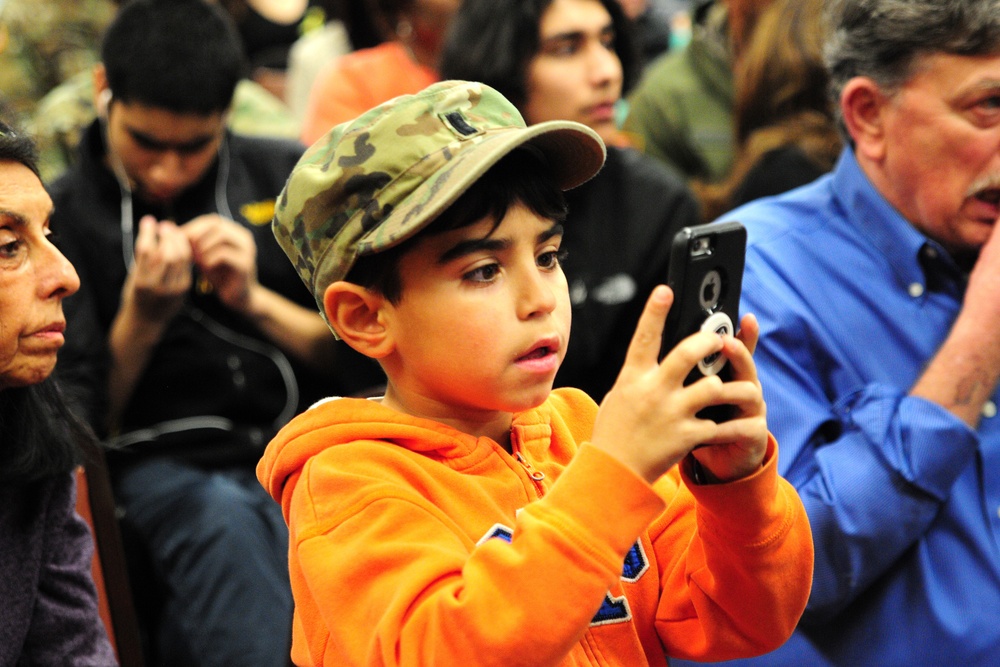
x=536, y=475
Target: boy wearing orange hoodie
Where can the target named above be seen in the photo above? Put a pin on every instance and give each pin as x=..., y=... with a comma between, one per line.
x=472, y=515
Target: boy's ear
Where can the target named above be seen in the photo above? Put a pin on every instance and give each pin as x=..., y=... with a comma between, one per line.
x=354, y=312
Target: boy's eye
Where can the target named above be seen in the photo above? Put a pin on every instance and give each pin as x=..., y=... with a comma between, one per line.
x=483, y=274
x=562, y=46
x=551, y=259
x=608, y=39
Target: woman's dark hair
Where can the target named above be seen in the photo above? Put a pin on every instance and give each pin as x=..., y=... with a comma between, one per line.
x=522, y=177
x=15, y=146
x=492, y=41
x=39, y=436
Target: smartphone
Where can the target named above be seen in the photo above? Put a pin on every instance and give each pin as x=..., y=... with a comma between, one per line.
x=706, y=276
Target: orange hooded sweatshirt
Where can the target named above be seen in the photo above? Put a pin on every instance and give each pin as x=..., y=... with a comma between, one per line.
x=412, y=543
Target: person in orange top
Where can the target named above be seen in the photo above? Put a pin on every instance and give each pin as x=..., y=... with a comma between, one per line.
x=472, y=515
x=404, y=64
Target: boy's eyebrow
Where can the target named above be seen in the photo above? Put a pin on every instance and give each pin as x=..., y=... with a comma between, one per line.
x=573, y=35
x=489, y=244
x=152, y=143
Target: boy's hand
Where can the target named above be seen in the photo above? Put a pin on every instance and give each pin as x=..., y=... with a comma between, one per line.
x=739, y=444
x=226, y=254
x=647, y=421
x=161, y=274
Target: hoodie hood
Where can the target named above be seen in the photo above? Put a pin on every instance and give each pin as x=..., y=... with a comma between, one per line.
x=340, y=421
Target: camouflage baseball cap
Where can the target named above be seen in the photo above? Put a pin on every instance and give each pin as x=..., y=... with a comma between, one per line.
x=374, y=182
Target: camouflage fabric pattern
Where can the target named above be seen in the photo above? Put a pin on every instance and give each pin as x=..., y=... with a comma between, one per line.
x=44, y=42
x=374, y=182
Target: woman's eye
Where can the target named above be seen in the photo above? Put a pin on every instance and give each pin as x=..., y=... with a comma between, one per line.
x=483, y=274
x=10, y=249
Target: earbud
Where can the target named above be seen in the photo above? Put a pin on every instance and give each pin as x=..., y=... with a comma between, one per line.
x=103, y=102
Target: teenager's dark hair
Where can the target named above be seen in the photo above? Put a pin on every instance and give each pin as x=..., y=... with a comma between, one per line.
x=184, y=56
x=522, y=177
x=492, y=41
x=39, y=436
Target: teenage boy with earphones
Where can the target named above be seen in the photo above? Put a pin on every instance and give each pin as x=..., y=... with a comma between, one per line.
x=205, y=340
x=471, y=515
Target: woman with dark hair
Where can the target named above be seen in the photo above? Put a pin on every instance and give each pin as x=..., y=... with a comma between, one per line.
x=786, y=135
x=571, y=60
x=49, y=613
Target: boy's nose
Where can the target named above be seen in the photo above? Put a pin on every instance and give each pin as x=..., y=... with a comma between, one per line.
x=604, y=66
x=537, y=295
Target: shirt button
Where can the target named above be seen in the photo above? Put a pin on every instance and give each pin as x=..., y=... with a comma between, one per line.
x=916, y=289
x=930, y=252
x=989, y=409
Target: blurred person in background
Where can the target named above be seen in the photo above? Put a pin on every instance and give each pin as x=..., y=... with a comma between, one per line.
x=208, y=342
x=571, y=60
x=786, y=135
x=405, y=63
x=60, y=117
x=681, y=111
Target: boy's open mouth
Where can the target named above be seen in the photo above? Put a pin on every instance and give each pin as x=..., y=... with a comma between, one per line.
x=537, y=353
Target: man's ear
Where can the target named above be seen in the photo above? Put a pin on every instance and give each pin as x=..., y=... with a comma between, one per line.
x=863, y=105
x=354, y=312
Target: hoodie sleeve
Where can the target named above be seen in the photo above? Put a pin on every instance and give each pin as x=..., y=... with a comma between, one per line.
x=741, y=584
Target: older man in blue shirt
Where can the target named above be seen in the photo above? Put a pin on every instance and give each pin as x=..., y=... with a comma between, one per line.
x=877, y=289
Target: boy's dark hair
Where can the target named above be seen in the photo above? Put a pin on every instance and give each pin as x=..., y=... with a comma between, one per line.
x=492, y=41
x=522, y=177
x=183, y=56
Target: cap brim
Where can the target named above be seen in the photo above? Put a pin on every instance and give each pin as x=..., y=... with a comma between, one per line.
x=574, y=152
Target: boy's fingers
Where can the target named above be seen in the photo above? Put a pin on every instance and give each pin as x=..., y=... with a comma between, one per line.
x=741, y=358
x=749, y=332
x=648, y=334
x=686, y=354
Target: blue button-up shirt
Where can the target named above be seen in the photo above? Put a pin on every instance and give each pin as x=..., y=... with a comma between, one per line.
x=903, y=497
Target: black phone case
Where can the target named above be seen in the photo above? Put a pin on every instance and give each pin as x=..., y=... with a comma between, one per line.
x=706, y=276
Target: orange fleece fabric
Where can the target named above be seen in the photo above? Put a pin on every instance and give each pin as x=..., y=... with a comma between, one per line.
x=412, y=543
x=357, y=81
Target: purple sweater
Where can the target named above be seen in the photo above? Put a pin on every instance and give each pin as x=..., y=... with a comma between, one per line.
x=48, y=603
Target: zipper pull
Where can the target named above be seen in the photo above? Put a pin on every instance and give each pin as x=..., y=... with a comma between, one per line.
x=536, y=475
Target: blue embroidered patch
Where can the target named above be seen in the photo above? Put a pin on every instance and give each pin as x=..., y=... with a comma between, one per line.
x=498, y=530
x=616, y=609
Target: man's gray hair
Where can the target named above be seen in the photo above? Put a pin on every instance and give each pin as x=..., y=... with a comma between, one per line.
x=884, y=40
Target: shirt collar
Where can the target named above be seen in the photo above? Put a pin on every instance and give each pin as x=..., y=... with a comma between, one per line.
x=910, y=253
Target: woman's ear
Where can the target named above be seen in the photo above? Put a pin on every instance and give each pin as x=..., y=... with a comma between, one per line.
x=354, y=312
x=863, y=105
